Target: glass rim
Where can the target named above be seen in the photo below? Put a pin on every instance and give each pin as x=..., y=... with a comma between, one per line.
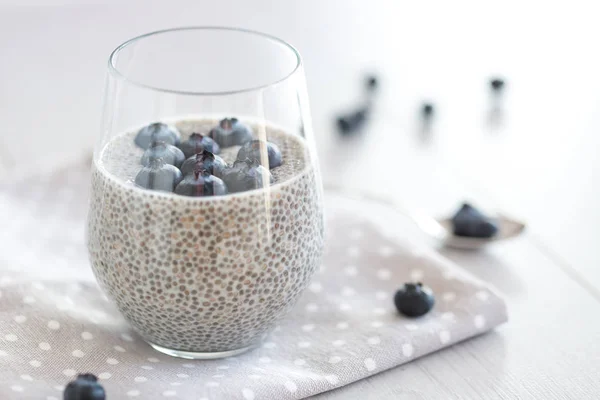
x=113, y=70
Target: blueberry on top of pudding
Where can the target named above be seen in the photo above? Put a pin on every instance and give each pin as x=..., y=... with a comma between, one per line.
x=197, y=143
x=254, y=150
x=214, y=164
x=157, y=132
x=161, y=150
x=231, y=132
x=470, y=222
x=201, y=183
x=158, y=175
x=246, y=175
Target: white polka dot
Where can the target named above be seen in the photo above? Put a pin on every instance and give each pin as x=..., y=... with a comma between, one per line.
x=351, y=270
x=133, y=393
x=345, y=307
x=444, y=337
x=277, y=328
x=104, y=375
x=86, y=336
x=140, y=379
x=153, y=359
x=479, y=321
x=28, y=300
x=376, y=324
x=51, y=398
x=353, y=251
x=169, y=393
x=312, y=307
x=264, y=360
x=356, y=233
x=333, y=379
x=3, y=353
x=59, y=388
x=218, y=376
x=384, y=274
x=375, y=340
x=448, y=296
x=223, y=367
x=126, y=337
x=188, y=365
x=37, y=285
x=248, y=394
x=119, y=349
x=449, y=275
x=407, y=349
x=35, y=363
x=379, y=311
x=338, y=342
x=176, y=383
x=342, y=325
x=335, y=359
x=448, y=316
x=269, y=345
x=290, y=386
x=416, y=275
x=315, y=287
x=482, y=295
x=11, y=337
x=6, y=280
x=303, y=345
x=17, y=388
x=212, y=384
x=147, y=367
x=27, y=378
x=308, y=327
x=20, y=319
x=254, y=376
x=78, y=353
x=299, y=362
x=69, y=372
x=113, y=361
x=370, y=364
x=381, y=295
x=386, y=251
x=348, y=291
x=44, y=346
x=54, y=325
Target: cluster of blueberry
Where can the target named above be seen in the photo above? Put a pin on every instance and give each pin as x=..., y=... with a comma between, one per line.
x=470, y=222
x=193, y=168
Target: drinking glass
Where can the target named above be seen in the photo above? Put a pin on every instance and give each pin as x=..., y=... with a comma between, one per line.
x=205, y=274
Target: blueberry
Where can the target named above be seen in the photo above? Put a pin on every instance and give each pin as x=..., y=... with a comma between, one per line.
x=157, y=132
x=196, y=143
x=470, y=222
x=371, y=83
x=414, y=299
x=215, y=165
x=160, y=150
x=497, y=84
x=84, y=387
x=231, y=132
x=158, y=176
x=254, y=150
x=201, y=183
x=246, y=175
x=427, y=110
x=352, y=122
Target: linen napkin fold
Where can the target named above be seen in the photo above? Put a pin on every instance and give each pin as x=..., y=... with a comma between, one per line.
x=55, y=323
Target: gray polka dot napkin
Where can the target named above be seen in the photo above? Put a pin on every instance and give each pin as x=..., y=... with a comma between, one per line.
x=54, y=321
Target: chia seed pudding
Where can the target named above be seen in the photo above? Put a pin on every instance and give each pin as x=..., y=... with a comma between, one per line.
x=204, y=274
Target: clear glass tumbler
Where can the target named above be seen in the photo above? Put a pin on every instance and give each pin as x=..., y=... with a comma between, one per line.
x=205, y=222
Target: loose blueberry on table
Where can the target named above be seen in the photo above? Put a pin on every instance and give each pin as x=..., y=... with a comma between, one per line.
x=470, y=222
x=159, y=175
x=255, y=148
x=246, y=175
x=497, y=84
x=414, y=299
x=166, y=152
x=231, y=132
x=214, y=164
x=197, y=143
x=84, y=387
x=201, y=183
x=157, y=132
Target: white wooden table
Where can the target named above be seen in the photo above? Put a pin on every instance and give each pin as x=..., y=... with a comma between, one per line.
x=541, y=165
